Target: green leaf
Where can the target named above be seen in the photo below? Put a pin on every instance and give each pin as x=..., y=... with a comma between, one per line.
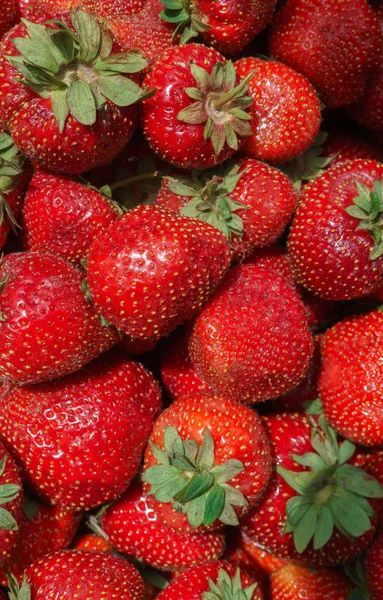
x=350, y=515
x=7, y=522
x=310, y=459
x=60, y=108
x=305, y=529
x=191, y=450
x=123, y=62
x=205, y=458
x=346, y=451
x=120, y=90
x=65, y=45
x=358, y=481
x=169, y=489
x=197, y=486
x=227, y=470
x=195, y=511
x=37, y=54
x=356, y=212
x=300, y=481
x=8, y=492
x=183, y=186
x=160, y=455
x=16, y=591
x=297, y=507
x=159, y=474
x=89, y=34
x=194, y=114
x=172, y=441
x=81, y=103
x=4, y=459
x=214, y=504
x=234, y=496
x=228, y=515
x=325, y=527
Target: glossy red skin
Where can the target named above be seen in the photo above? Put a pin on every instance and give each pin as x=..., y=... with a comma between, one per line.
x=291, y=434
x=266, y=563
x=52, y=528
x=237, y=432
x=8, y=16
x=294, y=581
x=105, y=9
x=270, y=199
x=15, y=198
x=191, y=584
x=285, y=112
x=63, y=216
x=329, y=255
x=135, y=530
x=338, y=63
x=371, y=460
x=157, y=272
x=87, y=575
x=351, y=379
x=348, y=147
x=79, y=440
x=93, y=542
x=177, y=142
x=24, y=8
x=41, y=292
x=373, y=568
x=251, y=342
x=9, y=539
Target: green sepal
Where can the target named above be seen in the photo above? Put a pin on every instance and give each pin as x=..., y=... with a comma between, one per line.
x=228, y=588
x=30, y=507
x=8, y=492
x=314, y=407
x=367, y=207
x=7, y=522
x=18, y=591
x=183, y=15
x=11, y=167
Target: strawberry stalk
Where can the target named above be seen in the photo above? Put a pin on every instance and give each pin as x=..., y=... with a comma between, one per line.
x=182, y=14
x=368, y=208
x=8, y=492
x=228, y=588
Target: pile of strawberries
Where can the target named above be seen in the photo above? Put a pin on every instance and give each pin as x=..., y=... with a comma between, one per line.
x=191, y=288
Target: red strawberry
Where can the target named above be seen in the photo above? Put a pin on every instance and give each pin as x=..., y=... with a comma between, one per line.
x=371, y=460
x=318, y=509
x=265, y=562
x=337, y=254
x=206, y=455
x=152, y=270
x=11, y=497
x=373, y=567
x=63, y=216
x=80, y=439
x=93, y=542
x=88, y=114
x=250, y=202
x=351, y=378
x=133, y=527
x=43, y=306
x=251, y=342
x=339, y=62
x=285, y=111
x=8, y=17
x=197, y=118
x=294, y=581
x=104, y=9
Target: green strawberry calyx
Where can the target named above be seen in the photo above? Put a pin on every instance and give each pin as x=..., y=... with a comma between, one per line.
x=8, y=492
x=228, y=588
x=220, y=104
x=210, y=198
x=18, y=591
x=182, y=14
x=188, y=478
x=367, y=207
x=358, y=577
x=11, y=167
x=77, y=69
x=332, y=494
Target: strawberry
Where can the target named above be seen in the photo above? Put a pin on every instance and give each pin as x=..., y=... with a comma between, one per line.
x=251, y=342
x=157, y=272
x=285, y=111
x=8, y=17
x=338, y=63
x=43, y=306
x=220, y=580
x=338, y=254
x=134, y=529
x=351, y=377
x=79, y=439
x=319, y=508
x=208, y=461
x=93, y=542
x=373, y=567
x=250, y=202
x=78, y=111
x=11, y=500
x=63, y=216
x=265, y=562
x=197, y=118
x=103, y=9
x=295, y=581
x=371, y=461
x=228, y=26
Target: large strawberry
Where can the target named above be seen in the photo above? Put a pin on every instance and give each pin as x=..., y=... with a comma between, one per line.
x=66, y=97
x=335, y=242
x=294, y=581
x=198, y=116
x=8, y=16
x=208, y=460
x=249, y=201
x=42, y=10
x=152, y=270
x=285, y=111
x=11, y=501
x=318, y=508
x=42, y=306
x=373, y=567
x=336, y=46
x=251, y=342
x=79, y=439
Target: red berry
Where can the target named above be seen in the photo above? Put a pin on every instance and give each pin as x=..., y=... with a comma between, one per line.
x=11, y=506
x=373, y=567
x=294, y=581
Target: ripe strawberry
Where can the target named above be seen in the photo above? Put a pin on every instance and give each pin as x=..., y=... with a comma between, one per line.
x=63, y=216
x=339, y=62
x=338, y=254
x=295, y=581
x=371, y=461
x=319, y=508
x=11, y=500
x=152, y=270
x=8, y=16
x=133, y=527
x=79, y=439
x=207, y=462
x=285, y=111
x=197, y=118
x=103, y=9
x=43, y=306
x=25, y=8
x=250, y=202
x=373, y=567
x=351, y=377
x=251, y=342
x=93, y=542
x=78, y=111
x=265, y=562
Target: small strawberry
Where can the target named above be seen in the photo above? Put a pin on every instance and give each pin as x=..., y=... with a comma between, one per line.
x=79, y=440
x=11, y=501
x=63, y=216
x=250, y=202
x=198, y=117
x=285, y=111
x=43, y=306
x=8, y=16
x=92, y=542
x=208, y=461
x=265, y=562
x=374, y=568
x=251, y=342
x=152, y=270
x=335, y=46
x=294, y=581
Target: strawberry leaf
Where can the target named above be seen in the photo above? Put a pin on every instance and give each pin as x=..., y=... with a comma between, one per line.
x=81, y=103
